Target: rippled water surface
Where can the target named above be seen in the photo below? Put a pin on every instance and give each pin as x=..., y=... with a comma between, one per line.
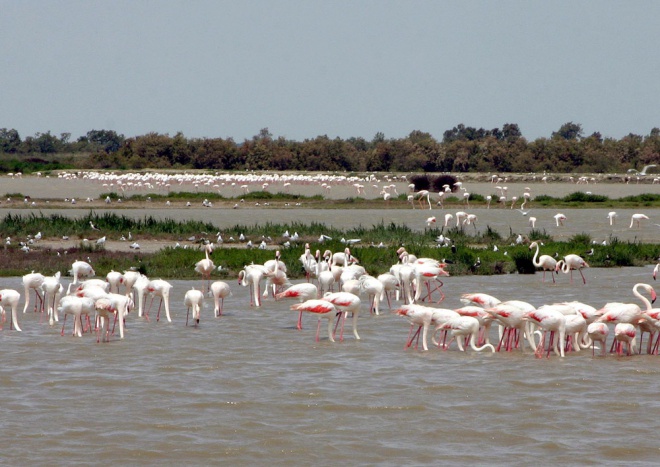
x=249, y=388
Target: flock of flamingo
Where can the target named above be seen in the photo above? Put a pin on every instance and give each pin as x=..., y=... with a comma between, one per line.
x=332, y=290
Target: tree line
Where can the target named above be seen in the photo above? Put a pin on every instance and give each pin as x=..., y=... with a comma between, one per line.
x=462, y=149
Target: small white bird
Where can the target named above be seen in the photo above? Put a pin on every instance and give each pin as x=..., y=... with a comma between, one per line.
x=91, y=224
x=135, y=246
x=101, y=241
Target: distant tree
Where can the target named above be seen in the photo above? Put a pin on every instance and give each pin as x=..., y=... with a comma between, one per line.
x=568, y=131
x=47, y=143
x=379, y=137
x=105, y=140
x=10, y=141
x=511, y=131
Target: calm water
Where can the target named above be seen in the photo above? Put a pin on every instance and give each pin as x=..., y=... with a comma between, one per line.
x=249, y=388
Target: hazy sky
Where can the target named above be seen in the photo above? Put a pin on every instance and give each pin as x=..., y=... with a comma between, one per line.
x=336, y=68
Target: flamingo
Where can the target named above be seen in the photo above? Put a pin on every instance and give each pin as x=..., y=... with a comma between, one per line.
x=511, y=315
x=420, y=316
x=33, y=281
x=322, y=309
x=10, y=297
x=624, y=333
x=81, y=269
x=546, y=262
x=481, y=315
x=205, y=266
x=427, y=273
x=655, y=270
x=548, y=318
x=481, y=299
x=390, y=283
x=52, y=288
x=598, y=332
x=572, y=262
x=302, y=292
x=193, y=300
x=114, y=278
x=420, y=195
x=465, y=326
x=559, y=219
x=251, y=276
x=374, y=289
x=160, y=288
x=460, y=217
x=347, y=303
x=76, y=306
x=104, y=309
x=638, y=218
x=219, y=290
x=612, y=215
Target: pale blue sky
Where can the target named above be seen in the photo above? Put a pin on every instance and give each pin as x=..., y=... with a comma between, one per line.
x=340, y=68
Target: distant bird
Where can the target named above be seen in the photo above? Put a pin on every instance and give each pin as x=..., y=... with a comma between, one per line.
x=559, y=219
x=612, y=217
x=532, y=222
x=638, y=218
x=101, y=241
x=430, y=220
x=643, y=171
x=135, y=246
x=91, y=224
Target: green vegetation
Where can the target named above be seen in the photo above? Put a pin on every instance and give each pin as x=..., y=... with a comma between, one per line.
x=461, y=149
x=469, y=254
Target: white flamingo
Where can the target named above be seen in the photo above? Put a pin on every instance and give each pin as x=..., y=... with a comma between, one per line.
x=10, y=297
x=193, y=300
x=219, y=290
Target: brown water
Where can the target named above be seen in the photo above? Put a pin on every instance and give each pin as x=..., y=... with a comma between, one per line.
x=249, y=388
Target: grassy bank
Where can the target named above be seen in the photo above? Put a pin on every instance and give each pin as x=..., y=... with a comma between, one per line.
x=484, y=254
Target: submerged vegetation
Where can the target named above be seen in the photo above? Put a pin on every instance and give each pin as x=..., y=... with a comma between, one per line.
x=376, y=250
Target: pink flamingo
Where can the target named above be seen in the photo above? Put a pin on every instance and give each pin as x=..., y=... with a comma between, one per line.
x=428, y=273
x=347, y=303
x=33, y=281
x=160, y=288
x=322, y=309
x=546, y=262
x=251, y=276
x=481, y=299
x=598, y=332
x=511, y=316
x=419, y=316
x=638, y=218
x=115, y=279
x=465, y=326
x=104, y=309
x=624, y=334
x=205, y=267
x=570, y=263
x=81, y=269
x=193, y=300
x=219, y=290
x=550, y=320
x=9, y=297
x=303, y=292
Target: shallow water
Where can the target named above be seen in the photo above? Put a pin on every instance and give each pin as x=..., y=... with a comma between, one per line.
x=249, y=388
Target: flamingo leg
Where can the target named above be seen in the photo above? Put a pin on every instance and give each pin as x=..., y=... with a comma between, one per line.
x=158, y=314
x=410, y=339
x=63, y=323
x=187, y=314
x=318, y=329
x=299, y=325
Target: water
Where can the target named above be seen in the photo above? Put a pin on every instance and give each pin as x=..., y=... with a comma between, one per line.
x=249, y=388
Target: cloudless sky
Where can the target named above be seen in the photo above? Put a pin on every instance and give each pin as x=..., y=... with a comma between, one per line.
x=338, y=68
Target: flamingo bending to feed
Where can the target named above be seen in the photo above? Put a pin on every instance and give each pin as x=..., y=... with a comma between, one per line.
x=219, y=290
x=638, y=218
x=33, y=281
x=160, y=288
x=549, y=319
x=465, y=326
x=346, y=303
x=374, y=290
x=104, y=309
x=559, y=219
x=546, y=262
x=81, y=269
x=115, y=279
x=598, y=332
x=251, y=276
x=303, y=292
x=10, y=297
x=322, y=309
x=428, y=273
x=624, y=334
x=481, y=299
x=193, y=300
x=76, y=306
x=570, y=263
x=420, y=316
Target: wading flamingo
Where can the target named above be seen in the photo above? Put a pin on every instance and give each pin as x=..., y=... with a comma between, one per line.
x=463, y=327
x=624, y=334
x=219, y=290
x=302, y=292
x=572, y=262
x=33, y=281
x=205, y=267
x=52, y=290
x=193, y=300
x=419, y=316
x=346, y=303
x=545, y=262
x=115, y=279
x=598, y=332
x=638, y=218
x=10, y=297
x=251, y=276
x=160, y=288
x=322, y=309
x=81, y=269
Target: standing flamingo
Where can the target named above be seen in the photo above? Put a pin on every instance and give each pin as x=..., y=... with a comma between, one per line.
x=219, y=290
x=598, y=332
x=205, y=267
x=559, y=219
x=52, y=289
x=546, y=262
x=612, y=215
x=251, y=276
x=549, y=319
x=33, y=281
x=115, y=279
x=419, y=316
x=193, y=300
x=81, y=269
x=374, y=290
x=322, y=309
x=624, y=333
x=572, y=262
x=638, y=218
x=302, y=292
x=160, y=288
x=10, y=297
x=104, y=310
x=465, y=326
x=346, y=303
